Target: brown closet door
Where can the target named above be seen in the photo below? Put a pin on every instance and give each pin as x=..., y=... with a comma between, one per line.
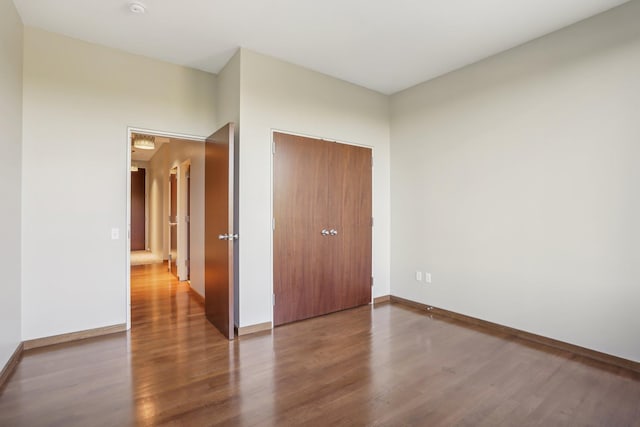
x=350, y=225
x=320, y=186
x=300, y=213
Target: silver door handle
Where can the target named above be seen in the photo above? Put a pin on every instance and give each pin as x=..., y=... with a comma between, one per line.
x=227, y=236
x=324, y=232
x=333, y=232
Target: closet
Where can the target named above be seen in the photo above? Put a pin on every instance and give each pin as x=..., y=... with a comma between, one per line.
x=322, y=227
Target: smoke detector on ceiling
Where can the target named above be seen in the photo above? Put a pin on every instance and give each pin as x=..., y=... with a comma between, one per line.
x=137, y=7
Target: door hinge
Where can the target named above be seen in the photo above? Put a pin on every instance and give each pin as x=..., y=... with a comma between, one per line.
x=187, y=218
x=273, y=299
x=273, y=223
x=372, y=221
x=273, y=147
x=371, y=280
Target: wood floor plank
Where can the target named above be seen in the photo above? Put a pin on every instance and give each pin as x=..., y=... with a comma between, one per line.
x=386, y=366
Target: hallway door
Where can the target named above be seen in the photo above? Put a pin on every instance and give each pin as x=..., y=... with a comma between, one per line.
x=173, y=222
x=220, y=235
x=138, y=210
x=188, y=222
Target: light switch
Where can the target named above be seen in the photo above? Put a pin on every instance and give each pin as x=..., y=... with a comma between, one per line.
x=418, y=276
x=115, y=233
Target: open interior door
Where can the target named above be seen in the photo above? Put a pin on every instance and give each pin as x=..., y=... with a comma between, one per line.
x=219, y=229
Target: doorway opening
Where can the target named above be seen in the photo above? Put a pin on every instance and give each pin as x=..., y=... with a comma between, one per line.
x=179, y=190
x=162, y=196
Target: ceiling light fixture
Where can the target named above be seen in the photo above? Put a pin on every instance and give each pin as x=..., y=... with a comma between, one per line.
x=137, y=7
x=144, y=142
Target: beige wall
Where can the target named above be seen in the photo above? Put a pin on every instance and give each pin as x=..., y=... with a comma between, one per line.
x=171, y=155
x=11, y=32
x=79, y=99
x=515, y=184
x=278, y=95
x=228, y=92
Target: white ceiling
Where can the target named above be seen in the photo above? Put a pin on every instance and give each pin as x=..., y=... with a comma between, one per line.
x=379, y=44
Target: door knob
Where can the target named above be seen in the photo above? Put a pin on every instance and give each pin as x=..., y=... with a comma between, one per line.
x=333, y=232
x=227, y=236
x=325, y=232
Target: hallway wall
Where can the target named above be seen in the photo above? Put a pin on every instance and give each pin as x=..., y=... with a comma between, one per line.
x=170, y=155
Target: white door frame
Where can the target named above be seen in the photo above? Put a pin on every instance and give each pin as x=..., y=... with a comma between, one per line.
x=131, y=130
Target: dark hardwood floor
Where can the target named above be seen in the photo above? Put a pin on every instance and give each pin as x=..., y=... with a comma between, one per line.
x=388, y=366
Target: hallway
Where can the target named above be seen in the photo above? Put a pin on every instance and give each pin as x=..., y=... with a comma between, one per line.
x=144, y=258
x=391, y=365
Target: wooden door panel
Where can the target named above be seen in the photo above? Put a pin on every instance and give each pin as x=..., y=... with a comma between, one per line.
x=350, y=205
x=350, y=261
x=138, y=210
x=350, y=183
x=299, y=207
x=219, y=221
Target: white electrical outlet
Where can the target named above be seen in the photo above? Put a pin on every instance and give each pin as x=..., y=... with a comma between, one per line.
x=427, y=277
x=115, y=233
x=419, y=276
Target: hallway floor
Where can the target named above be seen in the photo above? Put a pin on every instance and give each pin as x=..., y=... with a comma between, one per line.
x=388, y=366
x=144, y=258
